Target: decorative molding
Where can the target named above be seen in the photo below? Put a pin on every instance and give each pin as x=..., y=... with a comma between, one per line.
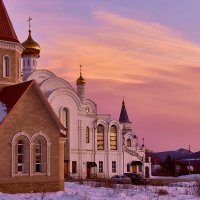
x=11, y=46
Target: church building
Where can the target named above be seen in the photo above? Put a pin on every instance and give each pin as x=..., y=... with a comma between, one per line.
x=49, y=130
x=32, y=136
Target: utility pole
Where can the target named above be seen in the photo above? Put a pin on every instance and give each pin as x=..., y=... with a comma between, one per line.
x=189, y=159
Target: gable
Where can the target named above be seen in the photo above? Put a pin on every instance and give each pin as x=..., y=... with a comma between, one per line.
x=25, y=101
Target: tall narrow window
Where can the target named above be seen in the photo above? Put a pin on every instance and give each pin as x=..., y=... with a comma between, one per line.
x=38, y=156
x=128, y=142
x=19, y=69
x=100, y=137
x=128, y=167
x=20, y=157
x=74, y=167
x=100, y=166
x=6, y=66
x=87, y=135
x=114, y=167
x=64, y=117
x=113, y=138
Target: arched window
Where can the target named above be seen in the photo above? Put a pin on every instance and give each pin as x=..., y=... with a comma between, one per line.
x=87, y=135
x=100, y=137
x=6, y=66
x=41, y=154
x=128, y=142
x=20, y=156
x=38, y=156
x=64, y=117
x=113, y=138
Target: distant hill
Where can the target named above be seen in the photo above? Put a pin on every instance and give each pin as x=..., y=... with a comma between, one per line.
x=193, y=156
x=177, y=154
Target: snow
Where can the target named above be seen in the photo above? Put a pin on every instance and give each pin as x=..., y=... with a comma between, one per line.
x=90, y=191
x=3, y=111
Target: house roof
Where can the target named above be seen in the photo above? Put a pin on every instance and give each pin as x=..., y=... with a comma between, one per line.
x=123, y=115
x=11, y=95
x=7, y=31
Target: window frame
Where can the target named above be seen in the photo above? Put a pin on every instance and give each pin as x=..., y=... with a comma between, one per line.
x=100, y=167
x=100, y=137
x=113, y=138
x=128, y=142
x=38, y=165
x=6, y=66
x=87, y=135
x=65, y=117
x=74, y=167
x=20, y=145
x=114, y=166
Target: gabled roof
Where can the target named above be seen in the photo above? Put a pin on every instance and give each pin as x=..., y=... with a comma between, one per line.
x=11, y=95
x=7, y=31
x=123, y=115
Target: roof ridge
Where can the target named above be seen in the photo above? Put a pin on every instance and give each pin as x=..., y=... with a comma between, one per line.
x=7, y=31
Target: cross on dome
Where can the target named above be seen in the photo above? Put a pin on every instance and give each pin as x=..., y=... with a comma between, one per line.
x=29, y=22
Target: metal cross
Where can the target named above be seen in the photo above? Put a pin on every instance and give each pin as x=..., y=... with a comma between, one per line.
x=29, y=20
x=80, y=70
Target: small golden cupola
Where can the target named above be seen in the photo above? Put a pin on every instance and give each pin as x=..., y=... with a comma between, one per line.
x=30, y=46
x=80, y=83
x=80, y=80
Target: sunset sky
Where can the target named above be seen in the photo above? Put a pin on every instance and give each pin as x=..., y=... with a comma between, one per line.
x=146, y=51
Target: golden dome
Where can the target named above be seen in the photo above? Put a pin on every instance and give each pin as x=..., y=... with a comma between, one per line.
x=31, y=47
x=80, y=80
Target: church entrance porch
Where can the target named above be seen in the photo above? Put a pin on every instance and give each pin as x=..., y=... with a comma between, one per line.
x=91, y=170
x=135, y=166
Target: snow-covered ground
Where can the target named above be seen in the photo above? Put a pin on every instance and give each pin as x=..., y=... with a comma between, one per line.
x=86, y=191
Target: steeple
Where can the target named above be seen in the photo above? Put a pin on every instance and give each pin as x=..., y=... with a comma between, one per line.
x=123, y=115
x=7, y=32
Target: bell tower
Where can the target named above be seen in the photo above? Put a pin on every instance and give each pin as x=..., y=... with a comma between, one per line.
x=10, y=51
x=30, y=54
x=80, y=83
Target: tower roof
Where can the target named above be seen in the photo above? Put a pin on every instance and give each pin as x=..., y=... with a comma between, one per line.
x=7, y=31
x=123, y=115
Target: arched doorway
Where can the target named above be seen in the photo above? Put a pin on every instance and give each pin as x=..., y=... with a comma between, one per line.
x=146, y=172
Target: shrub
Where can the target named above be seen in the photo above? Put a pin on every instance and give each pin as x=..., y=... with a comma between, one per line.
x=198, y=189
x=162, y=192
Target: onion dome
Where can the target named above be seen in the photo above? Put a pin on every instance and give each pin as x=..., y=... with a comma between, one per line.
x=31, y=47
x=80, y=80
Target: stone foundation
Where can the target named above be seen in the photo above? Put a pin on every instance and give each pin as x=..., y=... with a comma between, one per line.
x=31, y=187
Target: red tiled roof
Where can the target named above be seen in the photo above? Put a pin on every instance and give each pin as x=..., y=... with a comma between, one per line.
x=11, y=94
x=7, y=31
